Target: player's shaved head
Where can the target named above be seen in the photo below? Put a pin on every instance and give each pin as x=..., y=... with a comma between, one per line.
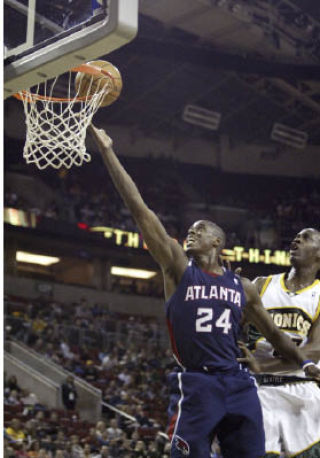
x=203, y=236
x=218, y=232
x=315, y=232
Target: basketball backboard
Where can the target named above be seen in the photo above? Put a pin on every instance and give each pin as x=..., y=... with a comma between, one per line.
x=45, y=38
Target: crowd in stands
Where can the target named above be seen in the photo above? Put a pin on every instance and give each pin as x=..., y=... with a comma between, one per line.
x=32, y=430
x=276, y=208
x=131, y=373
x=93, y=344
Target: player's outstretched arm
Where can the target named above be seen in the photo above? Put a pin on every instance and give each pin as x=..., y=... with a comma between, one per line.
x=165, y=250
x=260, y=318
x=311, y=350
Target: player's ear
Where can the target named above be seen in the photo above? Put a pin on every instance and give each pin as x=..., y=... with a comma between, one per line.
x=216, y=241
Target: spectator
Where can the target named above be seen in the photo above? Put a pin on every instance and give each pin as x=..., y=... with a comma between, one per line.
x=34, y=448
x=12, y=384
x=86, y=450
x=60, y=440
x=140, y=450
x=15, y=432
x=100, y=428
x=104, y=452
x=65, y=349
x=69, y=393
x=43, y=453
x=76, y=449
x=13, y=399
x=153, y=451
x=125, y=376
x=21, y=450
x=29, y=401
x=61, y=454
x=113, y=431
x=90, y=372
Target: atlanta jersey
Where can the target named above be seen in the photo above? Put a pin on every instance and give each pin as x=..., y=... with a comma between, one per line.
x=213, y=395
x=292, y=312
x=204, y=316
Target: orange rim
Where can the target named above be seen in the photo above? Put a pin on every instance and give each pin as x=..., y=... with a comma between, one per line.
x=83, y=68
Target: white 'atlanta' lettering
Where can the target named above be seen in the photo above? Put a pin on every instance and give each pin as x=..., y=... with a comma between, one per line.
x=221, y=293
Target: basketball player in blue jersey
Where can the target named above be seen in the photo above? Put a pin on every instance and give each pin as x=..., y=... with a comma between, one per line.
x=212, y=395
x=290, y=403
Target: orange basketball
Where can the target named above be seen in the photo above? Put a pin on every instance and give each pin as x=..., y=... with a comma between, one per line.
x=108, y=78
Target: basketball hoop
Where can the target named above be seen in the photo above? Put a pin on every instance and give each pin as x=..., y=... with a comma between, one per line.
x=56, y=126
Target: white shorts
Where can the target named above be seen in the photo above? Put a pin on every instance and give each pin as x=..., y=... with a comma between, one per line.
x=291, y=416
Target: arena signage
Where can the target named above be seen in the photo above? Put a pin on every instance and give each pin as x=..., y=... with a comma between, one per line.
x=130, y=239
x=21, y=218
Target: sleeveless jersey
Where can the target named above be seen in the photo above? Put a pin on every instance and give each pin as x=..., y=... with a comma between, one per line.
x=203, y=317
x=293, y=313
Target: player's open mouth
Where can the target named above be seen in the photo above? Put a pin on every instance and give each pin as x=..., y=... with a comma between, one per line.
x=293, y=247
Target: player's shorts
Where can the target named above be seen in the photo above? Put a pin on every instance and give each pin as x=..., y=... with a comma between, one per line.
x=291, y=415
x=204, y=405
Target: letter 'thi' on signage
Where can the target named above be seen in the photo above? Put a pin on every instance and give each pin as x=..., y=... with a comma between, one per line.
x=131, y=239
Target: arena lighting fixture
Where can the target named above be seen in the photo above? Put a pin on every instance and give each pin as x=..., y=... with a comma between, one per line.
x=132, y=273
x=33, y=258
x=199, y=116
x=289, y=136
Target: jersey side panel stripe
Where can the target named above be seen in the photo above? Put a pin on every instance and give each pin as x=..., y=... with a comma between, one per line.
x=265, y=285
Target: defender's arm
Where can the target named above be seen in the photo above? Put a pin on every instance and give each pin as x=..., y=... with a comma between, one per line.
x=311, y=350
x=260, y=318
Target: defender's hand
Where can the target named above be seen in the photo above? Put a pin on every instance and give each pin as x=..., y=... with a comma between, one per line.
x=227, y=265
x=313, y=371
x=248, y=358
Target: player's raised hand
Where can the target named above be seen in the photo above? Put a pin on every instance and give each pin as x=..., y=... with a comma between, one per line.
x=248, y=358
x=101, y=138
x=313, y=371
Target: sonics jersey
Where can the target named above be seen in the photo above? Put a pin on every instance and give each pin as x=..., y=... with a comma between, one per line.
x=292, y=312
x=203, y=317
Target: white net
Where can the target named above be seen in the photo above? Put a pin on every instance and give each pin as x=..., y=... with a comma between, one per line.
x=56, y=128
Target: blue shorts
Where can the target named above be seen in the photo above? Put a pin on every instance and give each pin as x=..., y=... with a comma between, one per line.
x=203, y=406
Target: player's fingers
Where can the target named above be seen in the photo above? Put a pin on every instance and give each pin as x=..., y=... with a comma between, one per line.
x=238, y=271
x=95, y=132
x=243, y=360
x=91, y=128
x=247, y=353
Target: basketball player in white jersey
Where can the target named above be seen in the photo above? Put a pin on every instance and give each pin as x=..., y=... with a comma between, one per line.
x=291, y=405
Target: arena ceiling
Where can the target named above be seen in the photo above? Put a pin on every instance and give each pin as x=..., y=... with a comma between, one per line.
x=256, y=62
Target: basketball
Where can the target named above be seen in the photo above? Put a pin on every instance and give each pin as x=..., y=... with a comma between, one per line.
x=88, y=84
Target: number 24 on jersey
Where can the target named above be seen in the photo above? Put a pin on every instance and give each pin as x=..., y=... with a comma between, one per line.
x=205, y=318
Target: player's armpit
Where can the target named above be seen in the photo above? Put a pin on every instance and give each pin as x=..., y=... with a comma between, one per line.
x=168, y=253
x=259, y=282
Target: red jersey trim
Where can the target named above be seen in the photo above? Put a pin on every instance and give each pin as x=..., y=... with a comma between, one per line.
x=173, y=342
